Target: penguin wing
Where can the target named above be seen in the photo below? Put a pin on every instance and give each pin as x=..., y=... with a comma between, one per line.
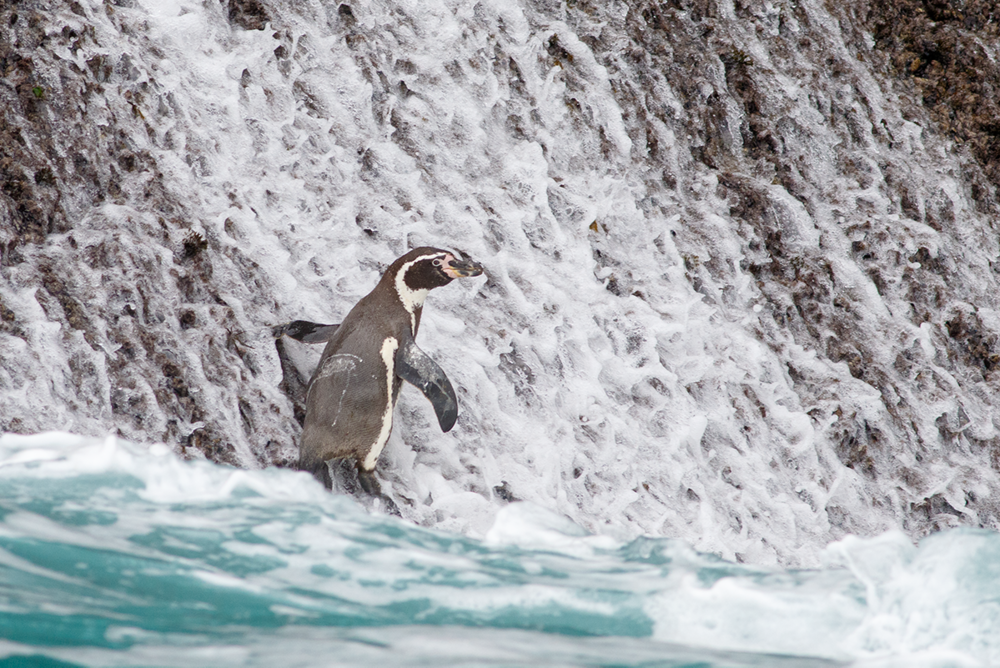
x=415, y=367
x=305, y=331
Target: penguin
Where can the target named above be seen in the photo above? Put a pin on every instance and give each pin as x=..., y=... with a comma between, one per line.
x=351, y=396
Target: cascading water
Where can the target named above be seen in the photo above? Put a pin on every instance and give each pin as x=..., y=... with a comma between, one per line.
x=739, y=291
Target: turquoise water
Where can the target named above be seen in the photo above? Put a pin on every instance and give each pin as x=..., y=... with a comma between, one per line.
x=113, y=554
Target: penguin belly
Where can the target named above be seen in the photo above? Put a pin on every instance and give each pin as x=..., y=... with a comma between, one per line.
x=349, y=406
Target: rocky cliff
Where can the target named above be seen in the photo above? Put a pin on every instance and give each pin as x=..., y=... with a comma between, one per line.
x=740, y=254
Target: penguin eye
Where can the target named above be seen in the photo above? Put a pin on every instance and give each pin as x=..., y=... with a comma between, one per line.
x=438, y=262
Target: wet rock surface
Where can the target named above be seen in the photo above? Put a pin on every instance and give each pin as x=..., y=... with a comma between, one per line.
x=109, y=285
x=740, y=255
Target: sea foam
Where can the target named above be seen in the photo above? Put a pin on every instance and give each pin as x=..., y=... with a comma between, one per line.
x=130, y=555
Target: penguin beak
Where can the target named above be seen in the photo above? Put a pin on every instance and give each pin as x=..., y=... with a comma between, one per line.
x=458, y=268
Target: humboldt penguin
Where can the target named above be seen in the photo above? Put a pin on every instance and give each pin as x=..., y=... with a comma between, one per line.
x=352, y=393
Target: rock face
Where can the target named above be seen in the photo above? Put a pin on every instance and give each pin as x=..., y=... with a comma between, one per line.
x=740, y=255
x=114, y=318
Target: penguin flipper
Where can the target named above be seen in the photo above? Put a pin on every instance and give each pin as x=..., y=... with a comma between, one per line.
x=415, y=367
x=305, y=331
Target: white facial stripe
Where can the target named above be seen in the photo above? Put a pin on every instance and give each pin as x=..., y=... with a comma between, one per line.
x=389, y=347
x=412, y=299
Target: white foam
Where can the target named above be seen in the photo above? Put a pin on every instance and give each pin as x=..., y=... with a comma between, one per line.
x=619, y=364
x=877, y=602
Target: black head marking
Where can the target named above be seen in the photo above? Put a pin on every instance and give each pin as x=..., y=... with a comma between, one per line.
x=427, y=270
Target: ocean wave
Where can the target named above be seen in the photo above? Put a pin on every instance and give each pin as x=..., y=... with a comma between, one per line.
x=113, y=553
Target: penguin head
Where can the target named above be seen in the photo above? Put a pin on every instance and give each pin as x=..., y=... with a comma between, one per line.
x=426, y=268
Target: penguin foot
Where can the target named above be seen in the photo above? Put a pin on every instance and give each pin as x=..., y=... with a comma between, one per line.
x=321, y=471
x=345, y=476
x=369, y=482
x=370, y=485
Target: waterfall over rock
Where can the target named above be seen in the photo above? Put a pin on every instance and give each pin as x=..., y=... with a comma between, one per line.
x=740, y=284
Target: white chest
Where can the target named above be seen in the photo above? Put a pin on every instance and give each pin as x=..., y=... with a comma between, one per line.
x=388, y=354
